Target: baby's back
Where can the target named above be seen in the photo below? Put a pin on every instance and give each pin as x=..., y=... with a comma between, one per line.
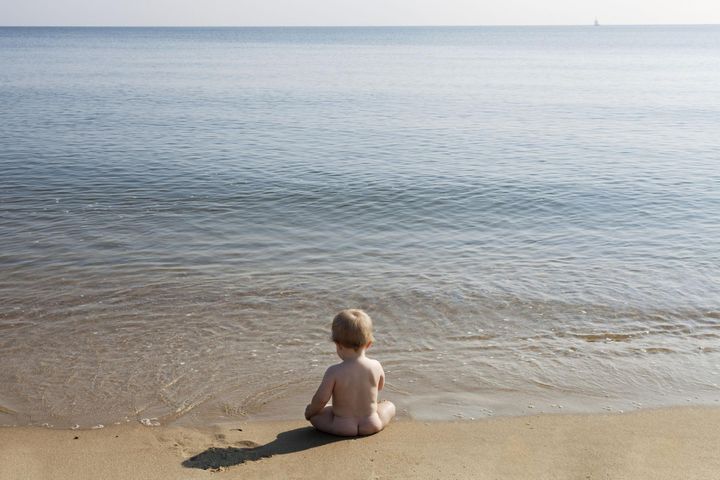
x=356, y=387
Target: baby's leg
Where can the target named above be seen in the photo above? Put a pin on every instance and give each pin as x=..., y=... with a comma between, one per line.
x=376, y=422
x=386, y=411
x=327, y=422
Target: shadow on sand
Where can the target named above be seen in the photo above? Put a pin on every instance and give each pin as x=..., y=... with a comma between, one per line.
x=286, y=442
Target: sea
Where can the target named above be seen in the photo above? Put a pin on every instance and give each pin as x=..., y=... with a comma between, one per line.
x=530, y=215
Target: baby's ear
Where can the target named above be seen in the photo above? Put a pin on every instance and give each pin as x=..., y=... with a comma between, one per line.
x=369, y=344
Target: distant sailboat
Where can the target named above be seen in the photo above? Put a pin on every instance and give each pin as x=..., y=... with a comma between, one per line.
x=596, y=23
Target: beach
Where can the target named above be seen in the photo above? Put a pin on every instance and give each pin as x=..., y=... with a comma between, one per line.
x=674, y=443
x=529, y=215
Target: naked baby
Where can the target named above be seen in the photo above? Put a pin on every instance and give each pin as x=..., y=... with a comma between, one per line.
x=353, y=384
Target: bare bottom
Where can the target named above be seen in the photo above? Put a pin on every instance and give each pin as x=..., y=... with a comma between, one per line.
x=326, y=421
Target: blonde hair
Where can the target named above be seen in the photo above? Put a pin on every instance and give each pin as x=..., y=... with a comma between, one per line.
x=352, y=328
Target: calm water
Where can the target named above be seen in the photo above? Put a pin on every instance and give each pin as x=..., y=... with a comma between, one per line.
x=531, y=216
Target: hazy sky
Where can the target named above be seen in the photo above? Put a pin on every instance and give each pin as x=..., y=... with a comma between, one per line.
x=355, y=12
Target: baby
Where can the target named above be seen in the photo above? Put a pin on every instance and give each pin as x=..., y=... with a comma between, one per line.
x=353, y=384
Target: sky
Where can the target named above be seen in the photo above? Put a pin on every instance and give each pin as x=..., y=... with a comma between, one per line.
x=356, y=12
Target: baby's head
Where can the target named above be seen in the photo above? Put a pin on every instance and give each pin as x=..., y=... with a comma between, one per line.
x=352, y=329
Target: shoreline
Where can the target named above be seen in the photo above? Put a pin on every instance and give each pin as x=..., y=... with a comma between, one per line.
x=677, y=442
x=413, y=408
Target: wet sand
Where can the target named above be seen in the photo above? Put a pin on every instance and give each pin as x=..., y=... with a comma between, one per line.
x=650, y=444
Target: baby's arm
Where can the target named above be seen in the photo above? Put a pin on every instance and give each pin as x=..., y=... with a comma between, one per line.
x=381, y=382
x=322, y=396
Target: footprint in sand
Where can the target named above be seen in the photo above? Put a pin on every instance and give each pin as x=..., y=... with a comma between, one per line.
x=247, y=444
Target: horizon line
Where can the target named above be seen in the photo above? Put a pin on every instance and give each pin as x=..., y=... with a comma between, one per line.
x=379, y=26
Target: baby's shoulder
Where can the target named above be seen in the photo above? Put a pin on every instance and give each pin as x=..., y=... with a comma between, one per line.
x=333, y=369
x=374, y=364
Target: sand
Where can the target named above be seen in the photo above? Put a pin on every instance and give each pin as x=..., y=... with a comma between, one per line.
x=676, y=443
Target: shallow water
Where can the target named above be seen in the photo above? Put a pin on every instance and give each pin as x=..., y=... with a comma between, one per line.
x=529, y=214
